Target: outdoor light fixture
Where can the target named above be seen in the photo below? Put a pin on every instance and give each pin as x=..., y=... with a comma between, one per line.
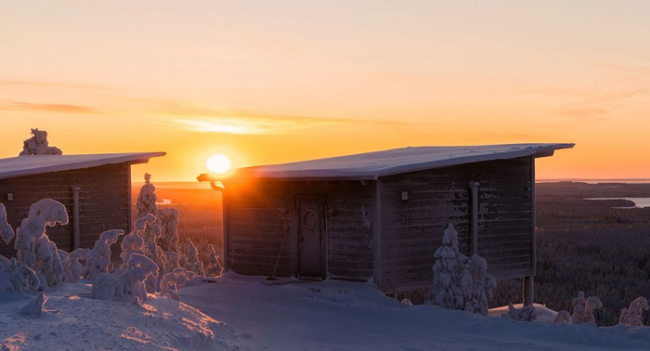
x=405, y=195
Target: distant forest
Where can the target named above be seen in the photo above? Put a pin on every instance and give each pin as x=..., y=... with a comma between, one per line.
x=591, y=246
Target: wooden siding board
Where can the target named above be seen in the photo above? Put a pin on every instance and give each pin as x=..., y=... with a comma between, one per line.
x=412, y=230
x=103, y=199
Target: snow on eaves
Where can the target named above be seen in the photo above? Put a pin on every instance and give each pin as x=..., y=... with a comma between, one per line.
x=31, y=165
x=372, y=165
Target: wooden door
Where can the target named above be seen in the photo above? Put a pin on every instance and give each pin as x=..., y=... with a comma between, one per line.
x=310, y=235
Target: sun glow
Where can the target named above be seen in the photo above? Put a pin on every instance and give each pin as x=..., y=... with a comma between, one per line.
x=218, y=164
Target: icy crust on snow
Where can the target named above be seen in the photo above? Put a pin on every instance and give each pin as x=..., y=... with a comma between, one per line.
x=372, y=165
x=87, y=324
x=38, y=164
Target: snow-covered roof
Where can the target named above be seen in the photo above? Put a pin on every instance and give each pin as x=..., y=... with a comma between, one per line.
x=372, y=165
x=30, y=165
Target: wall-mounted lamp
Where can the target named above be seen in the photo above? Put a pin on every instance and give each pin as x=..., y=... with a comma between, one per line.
x=405, y=195
x=10, y=197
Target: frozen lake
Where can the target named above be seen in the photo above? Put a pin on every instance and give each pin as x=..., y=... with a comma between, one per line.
x=639, y=202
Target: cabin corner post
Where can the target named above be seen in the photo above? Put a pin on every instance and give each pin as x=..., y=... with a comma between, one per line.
x=376, y=242
x=474, y=190
x=529, y=282
x=76, y=235
x=224, y=231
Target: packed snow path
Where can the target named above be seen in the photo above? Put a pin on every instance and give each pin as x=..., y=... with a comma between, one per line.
x=336, y=315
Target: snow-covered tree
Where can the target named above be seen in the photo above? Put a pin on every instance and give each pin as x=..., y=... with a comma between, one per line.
x=214, y=268
x=447, y=272
x=477, y=285
x=460, y=282
x=526, y=313
x=192, y=261
x=168, y=220
x=100, y=255
x=633, y=316
x=131, y=244
x=34, y=247
x=172, y=282
x=583, y=308
x=6, y=232
x=139, y=267
x=146, y=203
x=38, y=145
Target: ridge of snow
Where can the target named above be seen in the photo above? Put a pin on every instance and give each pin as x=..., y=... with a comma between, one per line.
x=372, y=165
x=37, y=164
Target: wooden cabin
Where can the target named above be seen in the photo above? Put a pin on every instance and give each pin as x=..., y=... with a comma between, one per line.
x=380, y=216
x=96, y=190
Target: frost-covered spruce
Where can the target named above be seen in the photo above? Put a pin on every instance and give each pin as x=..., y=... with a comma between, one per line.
x=214, y=268
x=477, y=285
x=38, y=145
x=106, y=287
x=460, y=282
x=172, y=282
x=100, y=255
x=192, y=261
x=146, y=203
x=583, y=308
x=168, y=221
x=6, y=232
x=447, y=272
x=633, y=316
x=73, y=270
x=33, y=246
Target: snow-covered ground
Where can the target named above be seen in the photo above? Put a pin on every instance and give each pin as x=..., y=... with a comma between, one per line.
x=250, y=313
x=83, y=323
x=338, y=315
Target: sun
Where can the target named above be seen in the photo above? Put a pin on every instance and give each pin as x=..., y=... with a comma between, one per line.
x=218, y=164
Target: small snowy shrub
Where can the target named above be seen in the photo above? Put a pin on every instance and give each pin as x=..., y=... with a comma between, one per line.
x=214, y=268
x=33, y=246
x=583, y=309
x=562, y=317
x=633, y=316
x=106, y=287
x=131, y=244
x=526, y=313
x=38, y=145
x=172, y=282
x=17, y=276
x=73, y=270
x=6, y=232
x=460, y=282
x=192, y=262
x=100, y=255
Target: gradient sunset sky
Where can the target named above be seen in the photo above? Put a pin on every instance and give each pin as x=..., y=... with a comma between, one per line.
x=278, y=81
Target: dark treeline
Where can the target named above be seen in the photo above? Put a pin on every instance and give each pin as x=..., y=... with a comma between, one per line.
x=590, y=246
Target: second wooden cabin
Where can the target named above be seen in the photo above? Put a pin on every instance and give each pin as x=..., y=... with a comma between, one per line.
x=380, y=216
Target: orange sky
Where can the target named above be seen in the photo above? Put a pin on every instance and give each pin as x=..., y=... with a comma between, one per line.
x=279, y=81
